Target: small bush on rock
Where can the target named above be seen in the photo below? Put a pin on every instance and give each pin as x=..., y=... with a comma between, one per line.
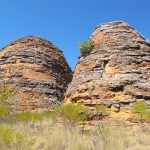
x=141, y=111
x=86, y=46
x=139, y=107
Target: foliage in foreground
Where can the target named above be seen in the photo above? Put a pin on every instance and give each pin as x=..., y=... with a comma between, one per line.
x=86, y=46
x=39, y=131
x=9, y=138
x=48, y=135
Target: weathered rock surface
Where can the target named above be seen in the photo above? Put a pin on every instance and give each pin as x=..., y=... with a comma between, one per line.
x=116, y=72
x=37, y=70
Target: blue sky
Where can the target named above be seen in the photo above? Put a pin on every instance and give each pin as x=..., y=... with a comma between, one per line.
x=68, y=22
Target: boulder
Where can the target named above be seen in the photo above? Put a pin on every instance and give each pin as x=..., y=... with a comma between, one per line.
x=37, y=70
x=117, y=68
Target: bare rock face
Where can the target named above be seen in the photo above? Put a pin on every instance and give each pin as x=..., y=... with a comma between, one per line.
x=116, y=72
x=38, y=72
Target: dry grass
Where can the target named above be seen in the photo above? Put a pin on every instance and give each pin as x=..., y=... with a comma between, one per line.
x=56, y=135
x=46, y=131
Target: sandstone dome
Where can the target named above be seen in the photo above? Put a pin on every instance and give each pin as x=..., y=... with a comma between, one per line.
x=38, y=72
x=117, y=70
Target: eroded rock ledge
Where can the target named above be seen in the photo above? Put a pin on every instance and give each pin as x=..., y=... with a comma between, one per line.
x=116, y=72
x=37, y=70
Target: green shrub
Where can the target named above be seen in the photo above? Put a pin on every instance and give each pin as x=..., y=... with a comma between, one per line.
x=141, y=109
x=145, y=115
x=86, y=46
x=72, y=112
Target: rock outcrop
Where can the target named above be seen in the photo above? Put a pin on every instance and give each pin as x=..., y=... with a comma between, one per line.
x=116, y=72
x=38, y=72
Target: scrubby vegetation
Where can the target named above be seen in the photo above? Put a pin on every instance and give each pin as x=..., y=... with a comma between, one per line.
x=73, y=112
x=86, y=46
x=10, y=139
x=54, y=135
x=140, y=110
x=47, y=130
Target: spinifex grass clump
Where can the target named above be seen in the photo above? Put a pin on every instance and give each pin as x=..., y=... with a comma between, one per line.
x=73, y=112
x=140, y=108
x=9, y=138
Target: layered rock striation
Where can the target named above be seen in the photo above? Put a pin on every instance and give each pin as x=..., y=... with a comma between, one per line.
x=116, y=72
x=38, y=72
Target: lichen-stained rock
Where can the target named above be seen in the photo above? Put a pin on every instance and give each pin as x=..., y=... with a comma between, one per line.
x=117, y=70
x=37, y=70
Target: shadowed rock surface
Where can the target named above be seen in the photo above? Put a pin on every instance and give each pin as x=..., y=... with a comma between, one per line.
x=37, y=70
x=116, y=72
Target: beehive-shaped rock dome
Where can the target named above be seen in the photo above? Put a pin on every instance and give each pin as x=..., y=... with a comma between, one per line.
x=37, y=70
x=117, y=70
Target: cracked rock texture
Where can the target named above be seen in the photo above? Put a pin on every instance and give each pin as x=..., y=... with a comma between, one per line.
x=38, y=72
x=116, y=72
